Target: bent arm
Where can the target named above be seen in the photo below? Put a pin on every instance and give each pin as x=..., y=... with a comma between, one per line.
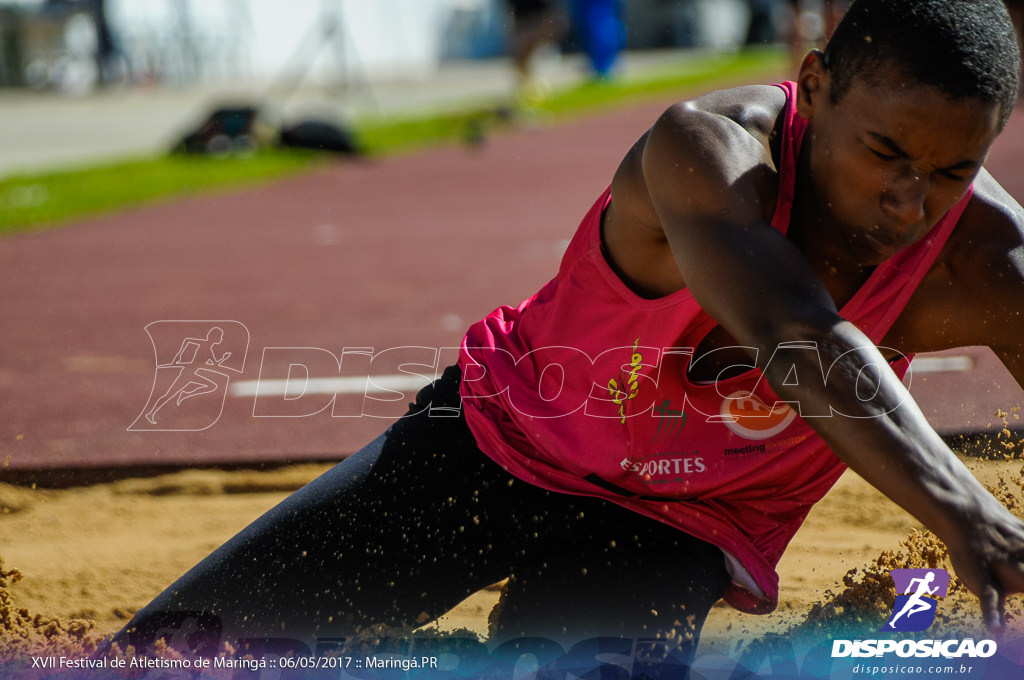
x=761, y=289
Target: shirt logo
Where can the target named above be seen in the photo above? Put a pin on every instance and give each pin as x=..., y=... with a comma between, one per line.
x=670, y=422
x=746, y=415
x=658, y=467
x=917, y=591
x=627, y=385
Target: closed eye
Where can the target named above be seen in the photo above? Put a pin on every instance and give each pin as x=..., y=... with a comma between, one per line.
x=875, y=141
x=883, y=156
x=953, y=176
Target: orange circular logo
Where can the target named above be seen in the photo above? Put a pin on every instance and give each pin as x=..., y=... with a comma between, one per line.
x=746, y=415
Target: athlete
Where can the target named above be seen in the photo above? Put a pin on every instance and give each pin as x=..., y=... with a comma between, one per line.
x=725, y=335
x=534, y=24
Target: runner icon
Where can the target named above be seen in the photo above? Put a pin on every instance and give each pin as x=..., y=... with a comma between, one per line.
x=192, y=380
x=916, y=602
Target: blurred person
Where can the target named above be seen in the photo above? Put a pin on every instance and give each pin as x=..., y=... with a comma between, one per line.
x=602, y=32
x=535, y=23
x=726, y=334
x=761, y=27
x=833, y=11
x=812, y=25
x=110, y=63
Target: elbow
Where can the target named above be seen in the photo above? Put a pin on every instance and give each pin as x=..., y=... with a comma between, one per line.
x=826, y=367
x=821, y=330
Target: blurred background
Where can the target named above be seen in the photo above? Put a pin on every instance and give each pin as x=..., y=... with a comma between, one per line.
x=425, y=220
x=82, y=60
x=105, y=231
x=74, y=46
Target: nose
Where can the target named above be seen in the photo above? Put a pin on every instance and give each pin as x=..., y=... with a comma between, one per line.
x=904, y=199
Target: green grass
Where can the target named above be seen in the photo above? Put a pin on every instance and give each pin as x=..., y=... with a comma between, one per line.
x=398, y=134
x=35, y=201
x=683, y=78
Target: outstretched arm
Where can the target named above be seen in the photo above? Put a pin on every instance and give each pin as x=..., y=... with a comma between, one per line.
x=759, y=286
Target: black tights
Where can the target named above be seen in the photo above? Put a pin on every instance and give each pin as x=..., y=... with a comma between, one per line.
x=405, y=529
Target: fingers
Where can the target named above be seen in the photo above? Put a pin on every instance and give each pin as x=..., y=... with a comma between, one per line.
x=992, y=607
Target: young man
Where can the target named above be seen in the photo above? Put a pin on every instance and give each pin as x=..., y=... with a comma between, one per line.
x=626, y=445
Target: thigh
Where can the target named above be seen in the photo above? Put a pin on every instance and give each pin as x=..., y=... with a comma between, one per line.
x=615, y=573
x=396, y=534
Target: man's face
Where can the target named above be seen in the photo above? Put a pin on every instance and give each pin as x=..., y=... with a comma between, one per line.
x=889, y=159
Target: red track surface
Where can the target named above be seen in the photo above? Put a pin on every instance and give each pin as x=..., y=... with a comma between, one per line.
x=400, y=252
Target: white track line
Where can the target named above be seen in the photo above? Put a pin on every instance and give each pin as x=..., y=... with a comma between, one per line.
x=295, y=388
x=954, y=364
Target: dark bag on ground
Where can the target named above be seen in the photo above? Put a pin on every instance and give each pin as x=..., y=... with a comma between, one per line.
x=223, y=130
x=239, y=128
x=319, y=135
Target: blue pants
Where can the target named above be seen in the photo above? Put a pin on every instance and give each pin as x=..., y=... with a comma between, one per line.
x=603, y=32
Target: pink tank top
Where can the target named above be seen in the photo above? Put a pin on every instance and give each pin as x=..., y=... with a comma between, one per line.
x=583, y=389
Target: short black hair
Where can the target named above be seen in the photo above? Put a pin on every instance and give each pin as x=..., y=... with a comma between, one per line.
x=966, y=48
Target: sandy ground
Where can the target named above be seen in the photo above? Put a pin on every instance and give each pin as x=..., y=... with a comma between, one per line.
x=103, y=551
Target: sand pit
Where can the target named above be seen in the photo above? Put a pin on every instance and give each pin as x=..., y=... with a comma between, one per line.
x=89, y=557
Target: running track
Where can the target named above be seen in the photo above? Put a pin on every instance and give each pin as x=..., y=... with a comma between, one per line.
x=383, y=254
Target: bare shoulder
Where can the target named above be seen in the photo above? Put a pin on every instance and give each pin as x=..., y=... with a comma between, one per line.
x=986, y=252
x=974, y=294
x=725, y=128
x=753, y=108
x=689, y=159
x=988, y=263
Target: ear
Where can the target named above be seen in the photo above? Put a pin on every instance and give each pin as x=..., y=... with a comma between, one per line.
x=812, y=84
